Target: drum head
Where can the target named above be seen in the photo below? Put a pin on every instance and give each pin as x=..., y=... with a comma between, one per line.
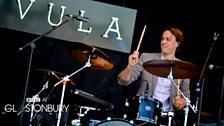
x=115, y=122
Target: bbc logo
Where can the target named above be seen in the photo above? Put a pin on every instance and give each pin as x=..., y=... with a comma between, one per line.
x=33, y=100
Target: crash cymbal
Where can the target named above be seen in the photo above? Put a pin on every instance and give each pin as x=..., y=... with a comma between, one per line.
x=80, y=53
x=180, y=69
x=56, y=74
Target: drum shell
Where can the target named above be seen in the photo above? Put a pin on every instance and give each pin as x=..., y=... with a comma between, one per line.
x=149, y=110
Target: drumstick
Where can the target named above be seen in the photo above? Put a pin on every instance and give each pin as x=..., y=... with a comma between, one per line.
x=178, y=85
x=140, y=41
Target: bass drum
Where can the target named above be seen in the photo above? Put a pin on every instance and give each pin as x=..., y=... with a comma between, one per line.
x=115, y=122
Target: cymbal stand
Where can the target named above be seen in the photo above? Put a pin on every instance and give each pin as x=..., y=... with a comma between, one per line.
x=170, y=116
x=34, y=99
x=64, y=80
x=187, y=100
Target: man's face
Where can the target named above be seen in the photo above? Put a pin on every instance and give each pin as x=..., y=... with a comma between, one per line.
x=168, y=43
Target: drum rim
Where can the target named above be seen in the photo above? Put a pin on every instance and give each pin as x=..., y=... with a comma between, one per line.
x=115, y=119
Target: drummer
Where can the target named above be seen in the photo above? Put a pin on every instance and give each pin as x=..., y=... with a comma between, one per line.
x=159, y=88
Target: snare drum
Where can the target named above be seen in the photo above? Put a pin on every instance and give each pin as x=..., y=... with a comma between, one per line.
x=149, y=110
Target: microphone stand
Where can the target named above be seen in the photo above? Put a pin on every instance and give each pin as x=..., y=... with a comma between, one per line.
x=199, y=100
x=187, y=100
x=32, y=45
x=64, y=80
x=220, y=106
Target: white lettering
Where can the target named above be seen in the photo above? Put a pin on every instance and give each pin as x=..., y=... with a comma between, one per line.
x=8, y=108
x=49, y=14
x=38, y=108
x=114, y=20
x=80, y=24
x=22, y=15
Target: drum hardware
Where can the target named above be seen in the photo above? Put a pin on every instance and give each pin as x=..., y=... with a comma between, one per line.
x=200, y=85
x=33, y=46
x=173, y=69
x=170, y=116
x=187, y=100
x=91, y=97
x=97, y=63
x=91, y=56
x=126, y=105
x=64, y=81
x=56, y=74
x=35, y=98
x=82, y=112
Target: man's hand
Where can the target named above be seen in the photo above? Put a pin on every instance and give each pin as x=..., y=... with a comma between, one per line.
x=133, y=59
x=179, y=102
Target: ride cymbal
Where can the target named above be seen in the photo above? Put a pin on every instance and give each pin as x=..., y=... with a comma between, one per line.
x=180, y=69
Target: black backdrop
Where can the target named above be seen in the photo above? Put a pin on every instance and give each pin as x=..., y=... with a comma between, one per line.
x=196, y=21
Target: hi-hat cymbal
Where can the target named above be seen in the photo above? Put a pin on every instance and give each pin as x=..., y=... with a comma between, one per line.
x=80, y=53
x=56, y=74
x=180, y=69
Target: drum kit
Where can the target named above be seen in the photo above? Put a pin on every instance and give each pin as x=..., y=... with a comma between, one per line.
x=149, y=109
x=90, y=56
x=96, y=59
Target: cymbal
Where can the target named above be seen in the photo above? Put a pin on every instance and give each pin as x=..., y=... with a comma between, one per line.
x=80, y=53
x=56, y=74
x=180, y=69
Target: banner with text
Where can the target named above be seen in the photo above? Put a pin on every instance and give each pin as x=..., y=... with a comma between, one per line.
x=89, y=22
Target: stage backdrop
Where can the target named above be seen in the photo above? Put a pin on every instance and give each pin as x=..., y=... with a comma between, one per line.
x=94, y=23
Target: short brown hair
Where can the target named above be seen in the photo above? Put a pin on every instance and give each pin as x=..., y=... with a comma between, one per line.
x=177, y=33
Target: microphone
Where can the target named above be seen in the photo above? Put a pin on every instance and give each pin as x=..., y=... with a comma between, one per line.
x=211, y=67
x=77, y=17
